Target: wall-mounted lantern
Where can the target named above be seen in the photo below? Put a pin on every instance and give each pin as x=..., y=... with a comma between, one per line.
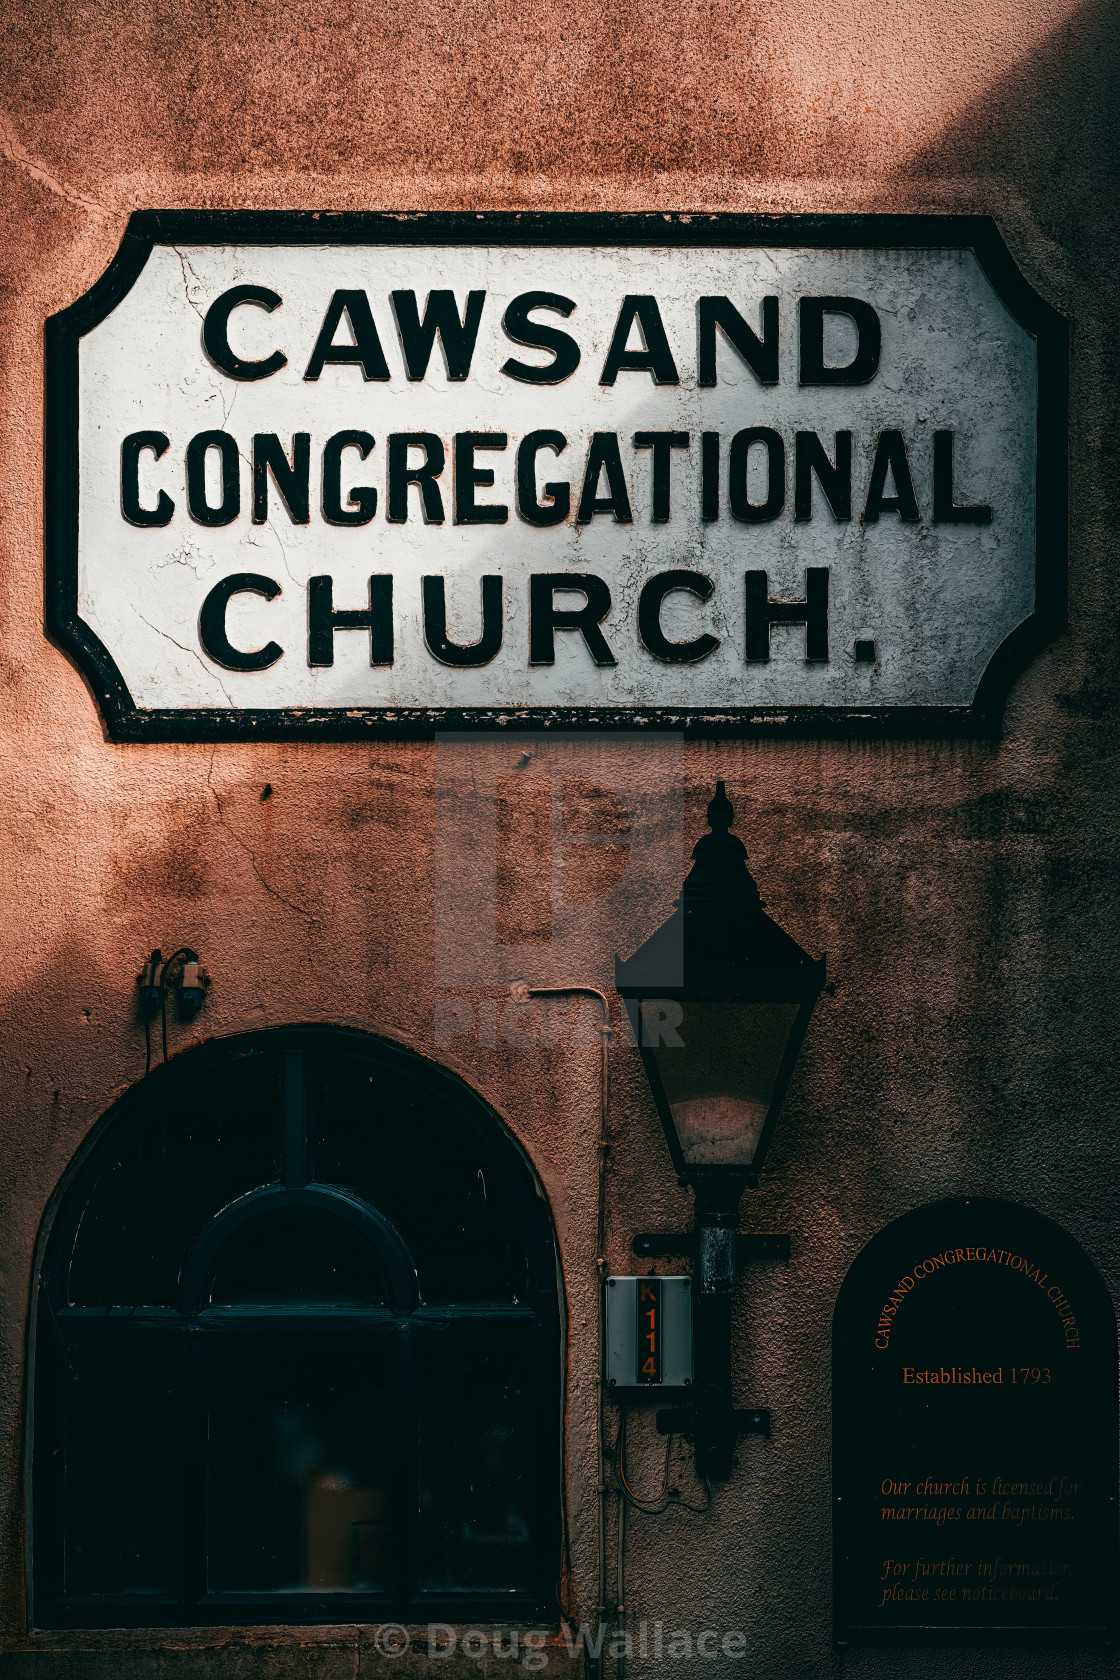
x=719, y=999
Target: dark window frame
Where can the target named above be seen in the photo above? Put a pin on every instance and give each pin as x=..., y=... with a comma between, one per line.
x=404, y=1321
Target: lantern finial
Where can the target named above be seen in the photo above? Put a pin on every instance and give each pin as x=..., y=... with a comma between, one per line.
x=721, y=812
x=719, y=872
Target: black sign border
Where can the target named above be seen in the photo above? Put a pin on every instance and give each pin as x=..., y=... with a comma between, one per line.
x=125, y=721
x=848, y=1633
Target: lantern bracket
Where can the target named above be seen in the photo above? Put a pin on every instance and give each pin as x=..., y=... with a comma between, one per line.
x=713, y=1426
x=749, y=1245
x=687, y=1420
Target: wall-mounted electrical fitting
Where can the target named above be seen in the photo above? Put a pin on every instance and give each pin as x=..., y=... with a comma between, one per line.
x=150, y=982
x=182, y=972
x=185, y=972
x=649, y=1333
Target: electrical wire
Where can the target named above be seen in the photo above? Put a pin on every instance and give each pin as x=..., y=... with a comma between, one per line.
x=620, y=1583
x=699, y=1509
x=666, y=1499
x=656, y=1506
x=603, y=1148
x=184, y=951
x=633, y=1498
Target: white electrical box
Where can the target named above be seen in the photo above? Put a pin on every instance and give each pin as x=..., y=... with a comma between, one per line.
x=649, y=1332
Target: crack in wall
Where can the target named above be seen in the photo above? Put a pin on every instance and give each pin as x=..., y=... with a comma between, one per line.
x=22, y=159
x=272, y=892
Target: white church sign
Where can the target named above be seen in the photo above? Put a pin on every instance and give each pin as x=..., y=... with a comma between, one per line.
x=359, y=474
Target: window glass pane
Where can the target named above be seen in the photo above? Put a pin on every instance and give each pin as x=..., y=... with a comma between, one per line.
x=482, y=1434
x=296, y=1257
x=300, y=1457
x=719, y=1065
x=170, y=1171
x=277, y=1449
x=425, y=1170
x=122, y=1463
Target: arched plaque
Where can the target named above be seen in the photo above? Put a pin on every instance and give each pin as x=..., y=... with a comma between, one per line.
x=975, y=1434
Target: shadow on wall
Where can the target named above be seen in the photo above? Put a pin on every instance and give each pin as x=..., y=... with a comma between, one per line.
x=1050, y=123
x=1048, y=127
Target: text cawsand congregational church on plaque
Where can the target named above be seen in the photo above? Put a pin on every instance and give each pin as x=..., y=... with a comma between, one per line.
x=368, y=473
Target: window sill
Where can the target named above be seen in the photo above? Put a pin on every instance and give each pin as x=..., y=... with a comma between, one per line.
x=326, y=1652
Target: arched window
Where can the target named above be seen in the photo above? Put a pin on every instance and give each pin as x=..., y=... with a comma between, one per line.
x=297, y=1350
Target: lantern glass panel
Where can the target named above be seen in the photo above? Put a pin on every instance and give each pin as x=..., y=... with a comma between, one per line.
x=718, y=1063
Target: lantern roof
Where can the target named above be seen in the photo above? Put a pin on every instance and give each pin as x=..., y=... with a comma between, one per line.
x=719, y=943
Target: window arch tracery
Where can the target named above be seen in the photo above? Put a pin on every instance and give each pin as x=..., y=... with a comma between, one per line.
x=297, y=1350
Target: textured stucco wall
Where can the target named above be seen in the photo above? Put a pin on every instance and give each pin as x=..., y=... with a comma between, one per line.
x=965, y=893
